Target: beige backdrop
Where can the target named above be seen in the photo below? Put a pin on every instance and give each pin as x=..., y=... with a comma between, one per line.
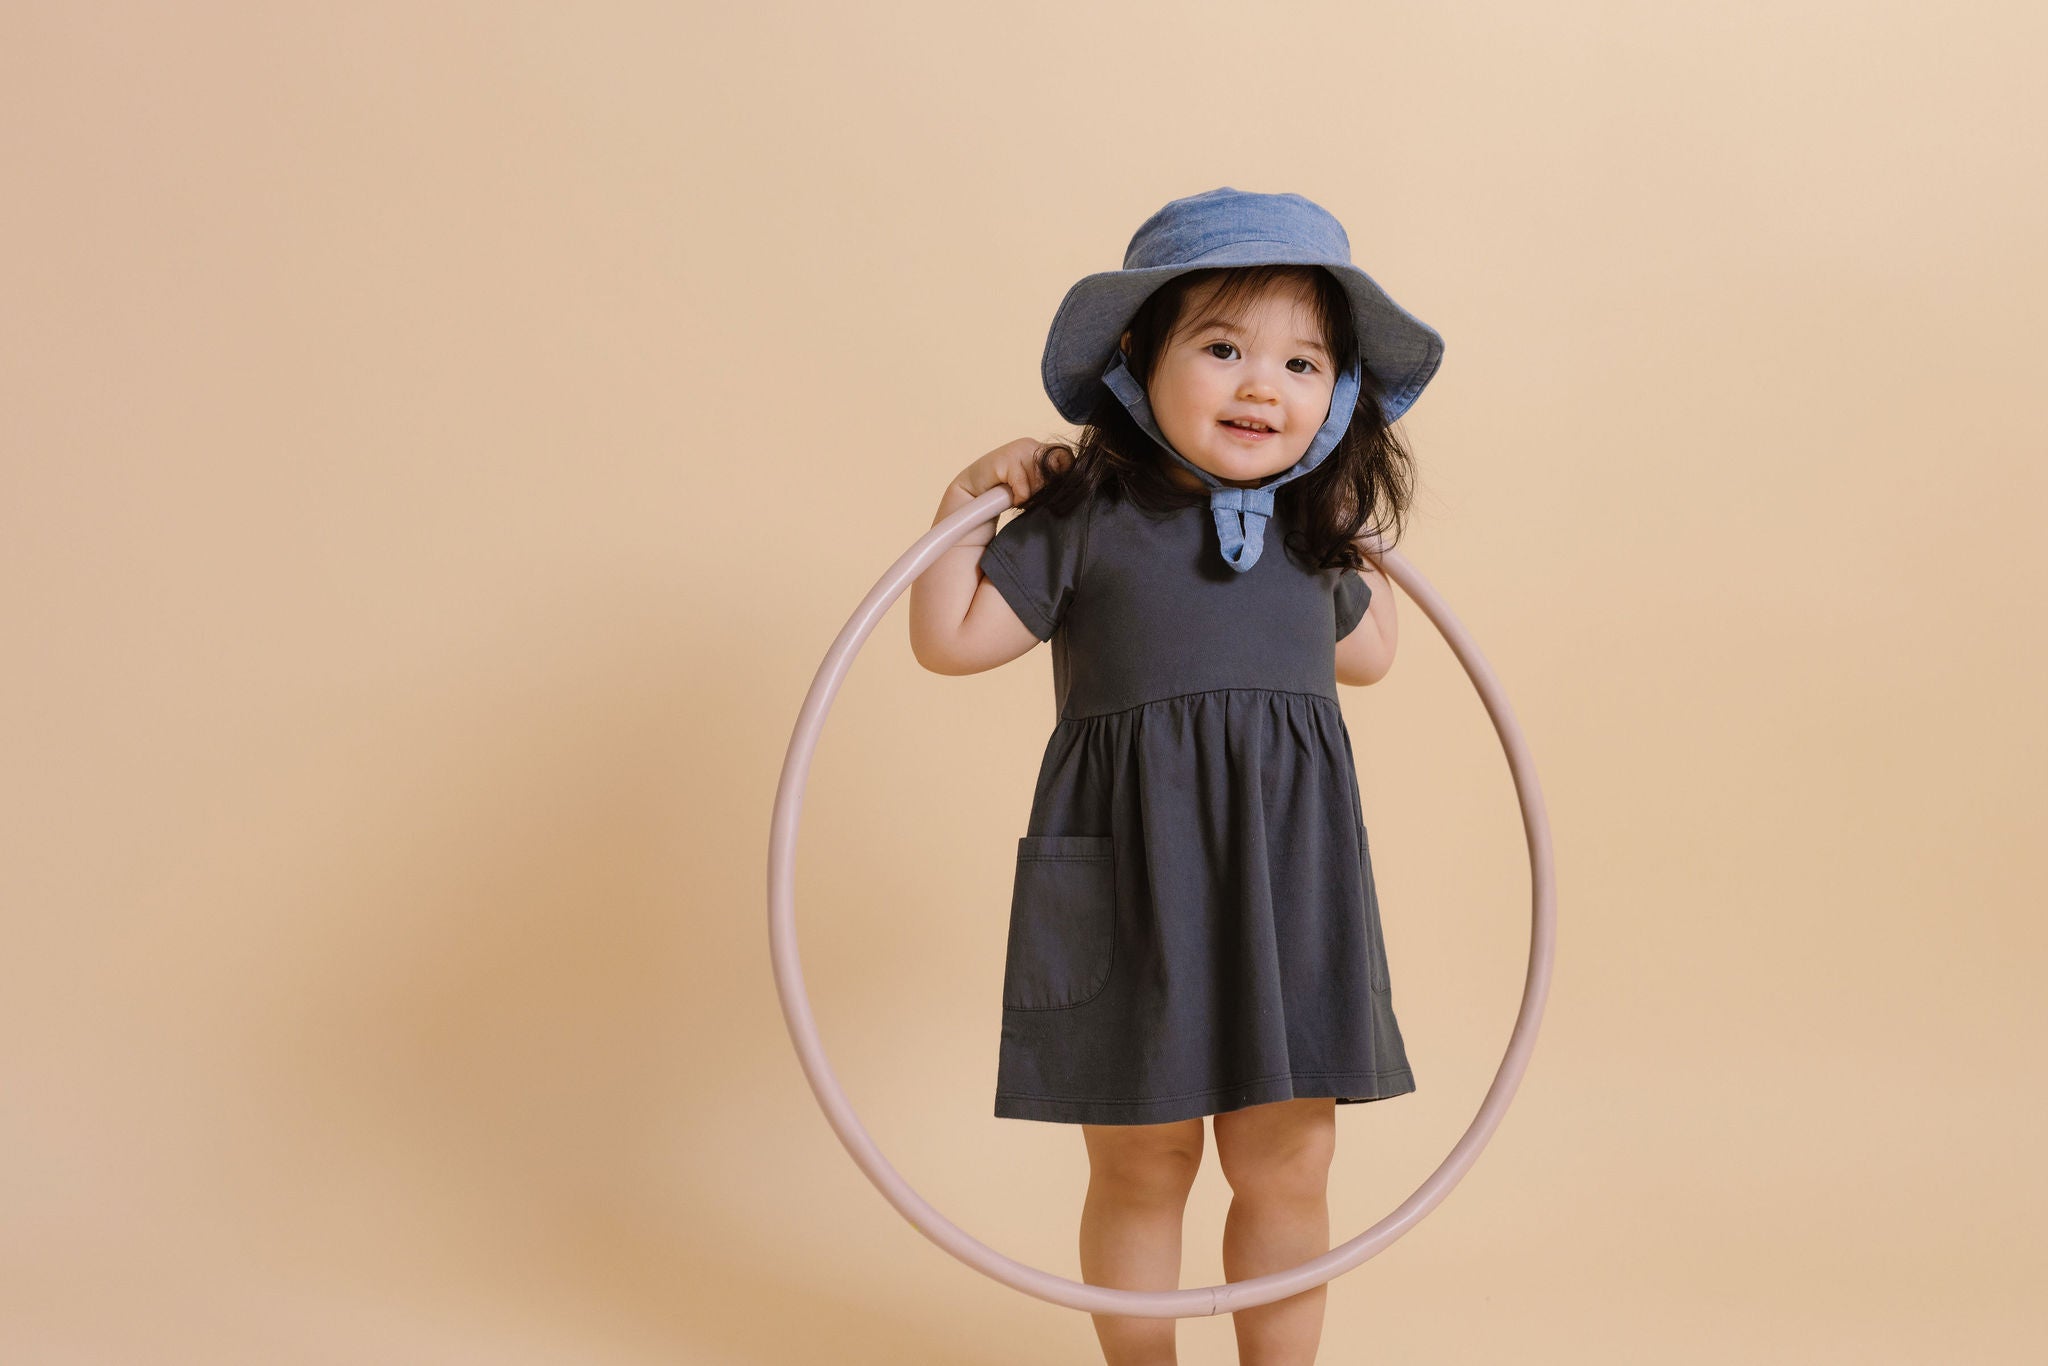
x=441, y=443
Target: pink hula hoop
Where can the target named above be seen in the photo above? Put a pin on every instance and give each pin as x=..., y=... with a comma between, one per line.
x=1211, y=1299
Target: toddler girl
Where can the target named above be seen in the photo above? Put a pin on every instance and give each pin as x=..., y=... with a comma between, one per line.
x=1194, y=928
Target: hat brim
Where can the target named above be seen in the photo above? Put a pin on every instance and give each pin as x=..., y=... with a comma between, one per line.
x=1403, y=351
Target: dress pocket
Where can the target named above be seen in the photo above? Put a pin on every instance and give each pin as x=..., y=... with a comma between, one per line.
x=1376, y=939
x=1062, y=922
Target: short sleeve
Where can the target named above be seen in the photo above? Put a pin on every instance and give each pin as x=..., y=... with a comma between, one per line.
x=1035, y=563
x=1354, y=595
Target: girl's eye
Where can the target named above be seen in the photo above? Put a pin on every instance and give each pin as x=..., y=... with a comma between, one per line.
x=1211, y=347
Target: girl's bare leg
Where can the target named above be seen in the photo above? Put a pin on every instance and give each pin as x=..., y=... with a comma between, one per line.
x=1139, y=1176
x=1277, y=1160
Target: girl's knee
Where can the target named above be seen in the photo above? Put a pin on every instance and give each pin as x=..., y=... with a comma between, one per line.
x=1293, y=1172
x=1281, y=1156
x=1153, y=1162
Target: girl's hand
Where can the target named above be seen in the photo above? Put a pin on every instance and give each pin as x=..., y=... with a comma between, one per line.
x=1014, y=465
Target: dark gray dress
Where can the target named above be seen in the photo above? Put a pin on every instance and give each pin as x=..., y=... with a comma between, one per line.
x=1193, y=922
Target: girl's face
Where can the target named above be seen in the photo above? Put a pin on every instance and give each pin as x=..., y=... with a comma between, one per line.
x=1269, y=367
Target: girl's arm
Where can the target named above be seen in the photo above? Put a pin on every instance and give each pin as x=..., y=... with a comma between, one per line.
x=1367, y=652
x=959, y=622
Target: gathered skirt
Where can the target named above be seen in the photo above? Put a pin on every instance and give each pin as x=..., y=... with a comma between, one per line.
x=1194, y=926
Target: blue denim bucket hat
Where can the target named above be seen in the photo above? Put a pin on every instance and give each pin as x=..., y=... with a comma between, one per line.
x=1219, y=228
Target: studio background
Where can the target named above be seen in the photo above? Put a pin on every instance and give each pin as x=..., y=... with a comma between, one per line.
x=441, y=442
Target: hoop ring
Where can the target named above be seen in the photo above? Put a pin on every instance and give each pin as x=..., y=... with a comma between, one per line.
x=1230, y=1296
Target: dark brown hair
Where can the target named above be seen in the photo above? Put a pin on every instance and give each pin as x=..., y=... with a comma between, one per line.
x=1367, y=481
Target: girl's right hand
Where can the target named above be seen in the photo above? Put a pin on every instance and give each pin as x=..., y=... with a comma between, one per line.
x=1014, y=465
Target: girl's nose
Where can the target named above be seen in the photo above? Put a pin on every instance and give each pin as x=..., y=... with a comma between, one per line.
x=1258, y=378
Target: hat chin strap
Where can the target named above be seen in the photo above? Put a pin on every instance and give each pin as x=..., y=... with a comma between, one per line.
x=1240, y=514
